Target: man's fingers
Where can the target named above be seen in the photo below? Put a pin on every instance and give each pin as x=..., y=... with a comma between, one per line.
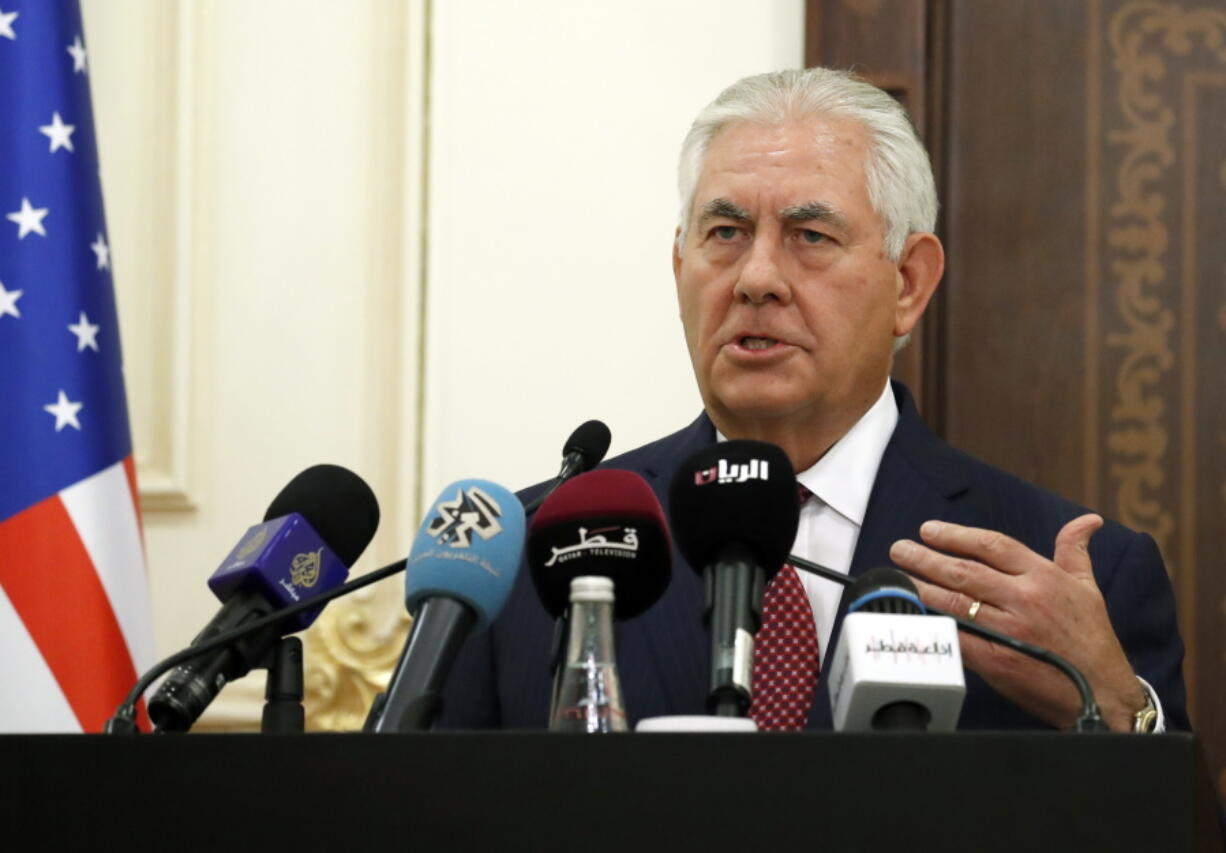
x=1073, y=545
x=953, y=573
x=987, y=546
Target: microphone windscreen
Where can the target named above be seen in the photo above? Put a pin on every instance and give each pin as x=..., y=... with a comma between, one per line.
x=591, y=441
x=468, y=548
x=606, y=523
x=735, y=492
x=337, y=503
x=884, y=589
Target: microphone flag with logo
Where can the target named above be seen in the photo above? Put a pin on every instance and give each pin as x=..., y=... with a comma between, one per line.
x=315, y=528
x=468, y=548
x=735, y=491
x=605, y=523
x=75, y=618
x=460, y=571
x=895, y=667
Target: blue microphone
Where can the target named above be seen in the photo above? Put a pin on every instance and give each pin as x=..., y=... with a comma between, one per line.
x=460, y=571
x=314, y=529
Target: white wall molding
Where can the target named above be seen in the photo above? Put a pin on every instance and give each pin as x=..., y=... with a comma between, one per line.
x=143, y=76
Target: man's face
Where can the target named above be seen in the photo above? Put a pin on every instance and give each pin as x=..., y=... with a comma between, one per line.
x=789, y=303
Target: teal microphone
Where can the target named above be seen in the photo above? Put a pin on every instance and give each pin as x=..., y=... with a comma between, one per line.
x=460, y=571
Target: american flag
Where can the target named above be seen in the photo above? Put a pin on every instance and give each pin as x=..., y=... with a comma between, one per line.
x=75, y=621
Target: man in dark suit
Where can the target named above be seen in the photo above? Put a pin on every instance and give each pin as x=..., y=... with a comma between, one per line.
x=803, y=258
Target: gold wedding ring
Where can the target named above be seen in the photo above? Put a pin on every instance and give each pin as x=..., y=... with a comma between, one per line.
x=974, y=611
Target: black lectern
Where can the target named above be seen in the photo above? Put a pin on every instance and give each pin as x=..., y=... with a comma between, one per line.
x=541, y=792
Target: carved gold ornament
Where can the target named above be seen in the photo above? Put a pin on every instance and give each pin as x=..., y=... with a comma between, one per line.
x=1140, y=34
x=350, y=652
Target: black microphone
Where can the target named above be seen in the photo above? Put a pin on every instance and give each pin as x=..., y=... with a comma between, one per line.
x=734, y=510
x=460, y=571
x=314, y=529
x=582, y=451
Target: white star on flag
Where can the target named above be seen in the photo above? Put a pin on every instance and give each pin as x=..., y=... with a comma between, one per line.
x=86, y=332
x=6, y=24
x=78, y=55
x=29, y=219
x=103, y=251
x=65, y=412
x=8, y=301
x=59, y=133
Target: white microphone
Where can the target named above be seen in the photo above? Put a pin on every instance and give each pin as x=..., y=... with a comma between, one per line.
x=895, y=668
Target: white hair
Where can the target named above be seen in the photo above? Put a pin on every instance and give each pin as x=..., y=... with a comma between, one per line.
x=899, y=175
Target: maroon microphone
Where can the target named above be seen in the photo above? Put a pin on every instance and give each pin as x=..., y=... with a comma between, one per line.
x=606, y=523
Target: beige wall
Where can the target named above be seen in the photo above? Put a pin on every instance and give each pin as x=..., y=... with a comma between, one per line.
x=307, y=274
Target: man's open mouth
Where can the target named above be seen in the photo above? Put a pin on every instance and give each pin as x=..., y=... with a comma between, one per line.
x=752, y=343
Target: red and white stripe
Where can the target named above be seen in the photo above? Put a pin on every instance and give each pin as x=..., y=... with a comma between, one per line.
x=75, y=619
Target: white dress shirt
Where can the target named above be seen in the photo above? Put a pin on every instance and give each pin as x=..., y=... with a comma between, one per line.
x=830, y=521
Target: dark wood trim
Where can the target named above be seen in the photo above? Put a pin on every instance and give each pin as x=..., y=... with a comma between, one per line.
x=933, y=357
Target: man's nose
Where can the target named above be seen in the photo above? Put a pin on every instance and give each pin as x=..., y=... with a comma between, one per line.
x=761, y=278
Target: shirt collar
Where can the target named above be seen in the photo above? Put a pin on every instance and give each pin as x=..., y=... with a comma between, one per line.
x=843, y=478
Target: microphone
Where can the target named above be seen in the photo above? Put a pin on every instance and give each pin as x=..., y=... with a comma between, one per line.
x=734, y=512
x=460, y=571
x=605, y=523
x=314, y=529
x=895, y=668
x=583, y=451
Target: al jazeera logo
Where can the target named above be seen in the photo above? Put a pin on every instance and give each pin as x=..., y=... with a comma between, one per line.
x=304, y=568
x=304, y=572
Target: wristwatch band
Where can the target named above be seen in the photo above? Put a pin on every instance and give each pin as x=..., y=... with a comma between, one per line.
x=1145, y=720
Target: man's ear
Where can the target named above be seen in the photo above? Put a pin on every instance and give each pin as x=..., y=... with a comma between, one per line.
x=919, y=272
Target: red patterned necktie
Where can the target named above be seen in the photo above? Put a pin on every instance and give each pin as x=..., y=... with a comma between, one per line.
x=785, y=659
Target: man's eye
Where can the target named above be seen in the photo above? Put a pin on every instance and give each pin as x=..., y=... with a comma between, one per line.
x=724, y=232
x=812, y=237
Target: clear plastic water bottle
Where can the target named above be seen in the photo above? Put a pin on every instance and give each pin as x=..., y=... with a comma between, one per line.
x=589, y=697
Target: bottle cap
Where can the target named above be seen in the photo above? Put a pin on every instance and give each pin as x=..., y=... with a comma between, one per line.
x=590, y=588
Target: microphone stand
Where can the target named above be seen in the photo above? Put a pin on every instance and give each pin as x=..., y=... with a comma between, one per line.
x=283, y=711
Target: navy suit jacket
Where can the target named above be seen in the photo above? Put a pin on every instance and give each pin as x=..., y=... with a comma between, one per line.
x=501, y=678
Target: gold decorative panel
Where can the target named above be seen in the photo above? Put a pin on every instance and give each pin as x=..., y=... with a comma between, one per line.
x=350, y=653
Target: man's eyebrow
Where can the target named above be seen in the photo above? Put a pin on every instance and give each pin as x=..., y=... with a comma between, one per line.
x=814, y=211
x=725, y=209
